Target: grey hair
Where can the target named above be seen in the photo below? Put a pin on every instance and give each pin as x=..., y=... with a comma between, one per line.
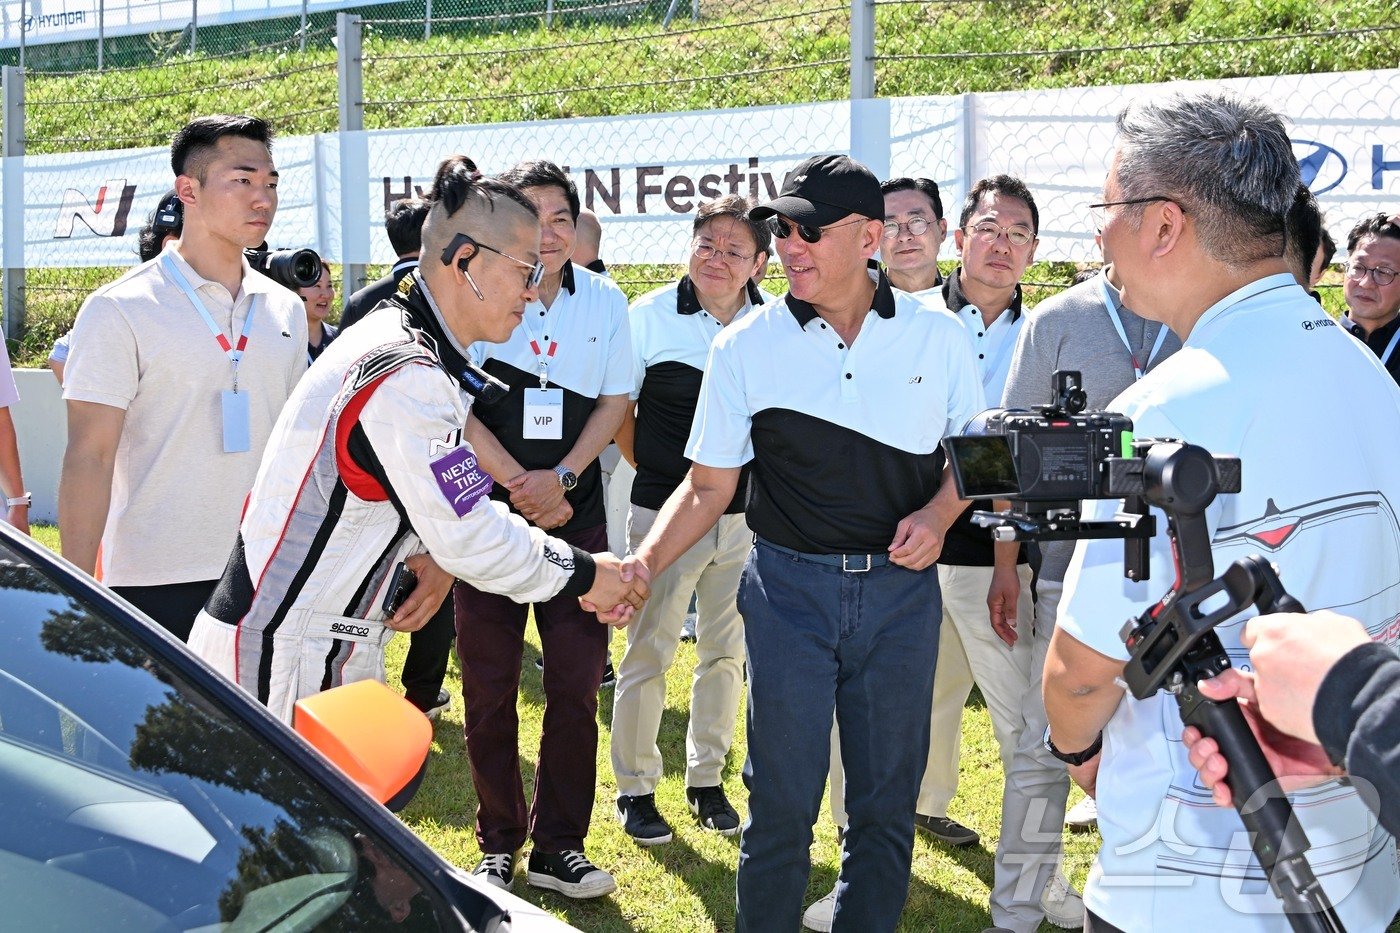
x=1225, y=159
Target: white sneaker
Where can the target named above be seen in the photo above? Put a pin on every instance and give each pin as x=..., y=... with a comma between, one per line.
x=688, y=628
x=1083, y=816
x=819, y=916
x=1062, y=904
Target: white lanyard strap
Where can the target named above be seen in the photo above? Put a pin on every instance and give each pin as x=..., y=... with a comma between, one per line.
x=1112, y=308
x=233, y=352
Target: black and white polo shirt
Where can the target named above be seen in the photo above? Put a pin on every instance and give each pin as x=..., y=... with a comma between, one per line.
x=671, y=338
x=844, y=439
x=591, y=357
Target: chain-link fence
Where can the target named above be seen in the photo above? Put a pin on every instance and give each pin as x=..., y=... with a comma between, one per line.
x=493, y=70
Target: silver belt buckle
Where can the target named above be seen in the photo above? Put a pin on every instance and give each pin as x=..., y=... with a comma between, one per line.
x=846, y=563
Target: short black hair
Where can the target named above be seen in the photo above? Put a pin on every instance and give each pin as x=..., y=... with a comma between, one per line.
x=1008, y=185
x=457, y=179
x=194, y=140
x=1377, y=225
x=1082, y=275
x=541, y=173
x=1303, y=230
x=1328, y=245
x=403, y=221
x=925, y=186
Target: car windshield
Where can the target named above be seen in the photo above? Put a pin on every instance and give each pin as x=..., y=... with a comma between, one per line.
x=133, y=801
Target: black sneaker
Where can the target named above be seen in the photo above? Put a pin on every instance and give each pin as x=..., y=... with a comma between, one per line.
x=497, y=868
x=609, y=677
x=443, y=701
x=641, y=820
x=570, y=873
x=712, y=809
x=949, y=832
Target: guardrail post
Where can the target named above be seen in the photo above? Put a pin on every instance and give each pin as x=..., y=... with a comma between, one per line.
x=354, y=155
x=862, y=49
x=13, y=181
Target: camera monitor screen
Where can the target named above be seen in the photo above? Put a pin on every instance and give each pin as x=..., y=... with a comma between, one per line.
x=982, y=467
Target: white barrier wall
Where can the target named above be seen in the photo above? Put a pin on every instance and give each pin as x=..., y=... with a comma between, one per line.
x=41, y=426
x=644, y=175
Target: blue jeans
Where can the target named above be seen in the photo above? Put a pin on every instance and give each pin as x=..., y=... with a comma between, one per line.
x=865, y=645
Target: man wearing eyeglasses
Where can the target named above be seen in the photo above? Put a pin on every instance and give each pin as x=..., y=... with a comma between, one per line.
x=1372, y=288
x=367, y=472
x=838, y=397
x=672, y=331
x=1196, y=200
x=569, y=368
x=914, y=233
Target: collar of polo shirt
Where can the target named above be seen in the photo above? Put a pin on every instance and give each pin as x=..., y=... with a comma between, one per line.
x=687, y=302
x=882, y=304
x=567, y=277
x=956, y=300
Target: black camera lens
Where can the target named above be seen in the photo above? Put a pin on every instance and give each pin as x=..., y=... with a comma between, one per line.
x=290, y=268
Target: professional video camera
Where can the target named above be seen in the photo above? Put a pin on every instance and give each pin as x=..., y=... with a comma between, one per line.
x=1045, y=461
x=290, y=268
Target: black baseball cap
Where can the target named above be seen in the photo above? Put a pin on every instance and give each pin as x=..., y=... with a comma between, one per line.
x=824, y=189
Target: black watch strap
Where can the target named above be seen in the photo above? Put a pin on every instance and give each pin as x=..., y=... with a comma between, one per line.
x=1076, y=758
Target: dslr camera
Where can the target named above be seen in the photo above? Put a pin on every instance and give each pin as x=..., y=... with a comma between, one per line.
x=1048, y=459
x=290, y=268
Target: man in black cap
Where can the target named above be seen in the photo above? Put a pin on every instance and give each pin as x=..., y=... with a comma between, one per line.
x=839, y=394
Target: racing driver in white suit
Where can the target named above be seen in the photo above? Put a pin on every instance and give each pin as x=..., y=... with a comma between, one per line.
x=367, y=467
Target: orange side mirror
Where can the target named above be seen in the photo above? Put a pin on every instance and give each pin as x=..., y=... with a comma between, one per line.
x=376, y=737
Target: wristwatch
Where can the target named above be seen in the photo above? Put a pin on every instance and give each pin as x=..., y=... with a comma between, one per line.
x=1078, y=758
x=24, y=499
x=567, y=479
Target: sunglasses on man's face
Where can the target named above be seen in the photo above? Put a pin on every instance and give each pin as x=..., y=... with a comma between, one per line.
x=781, y=228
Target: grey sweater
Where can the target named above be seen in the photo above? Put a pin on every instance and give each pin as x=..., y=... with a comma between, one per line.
x=1072, y=330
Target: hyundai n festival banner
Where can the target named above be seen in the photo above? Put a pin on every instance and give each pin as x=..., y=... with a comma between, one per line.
x=645, y=175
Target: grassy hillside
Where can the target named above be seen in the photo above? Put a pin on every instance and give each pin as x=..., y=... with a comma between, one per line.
x=622, y=61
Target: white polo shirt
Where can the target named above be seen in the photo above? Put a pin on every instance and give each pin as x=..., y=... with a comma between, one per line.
x=992, y=344
x=140, y=345
x=1259, y=376
x=844, y=439
x=592, y=356
x=671, y=338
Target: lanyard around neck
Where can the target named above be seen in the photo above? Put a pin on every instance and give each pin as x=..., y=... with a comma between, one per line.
x=1112, y=307
x=542, y=354
x=234, y=353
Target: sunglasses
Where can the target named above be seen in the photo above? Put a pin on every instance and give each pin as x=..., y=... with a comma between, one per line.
x=781, y=228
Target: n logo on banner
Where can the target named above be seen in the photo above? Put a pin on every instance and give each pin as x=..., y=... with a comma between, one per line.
x=104, y=216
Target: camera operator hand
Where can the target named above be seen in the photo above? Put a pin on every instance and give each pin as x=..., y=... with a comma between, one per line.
x=536, y=492
x=619, y=588
x=1291, y=654
x=434, y=584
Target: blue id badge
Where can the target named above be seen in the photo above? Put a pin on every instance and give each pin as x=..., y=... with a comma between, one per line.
x=237, y=430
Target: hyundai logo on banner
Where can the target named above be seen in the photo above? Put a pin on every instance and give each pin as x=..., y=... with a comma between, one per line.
x=104, y=216
x=1322, y=167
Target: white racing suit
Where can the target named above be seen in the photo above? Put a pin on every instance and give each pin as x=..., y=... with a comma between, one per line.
x=366, y=466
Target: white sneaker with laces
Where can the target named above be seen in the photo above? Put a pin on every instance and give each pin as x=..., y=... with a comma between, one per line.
x=818, y=917
x=1062, y=904
x=1083, y=816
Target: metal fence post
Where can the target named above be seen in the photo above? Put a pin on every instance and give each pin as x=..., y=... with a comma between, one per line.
x=428, y=19
x=194, y=26
x=101, y=30
x=13, y=181
x=302, y=33
x=862, y=49
x=23, y=29
x=354, y=155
